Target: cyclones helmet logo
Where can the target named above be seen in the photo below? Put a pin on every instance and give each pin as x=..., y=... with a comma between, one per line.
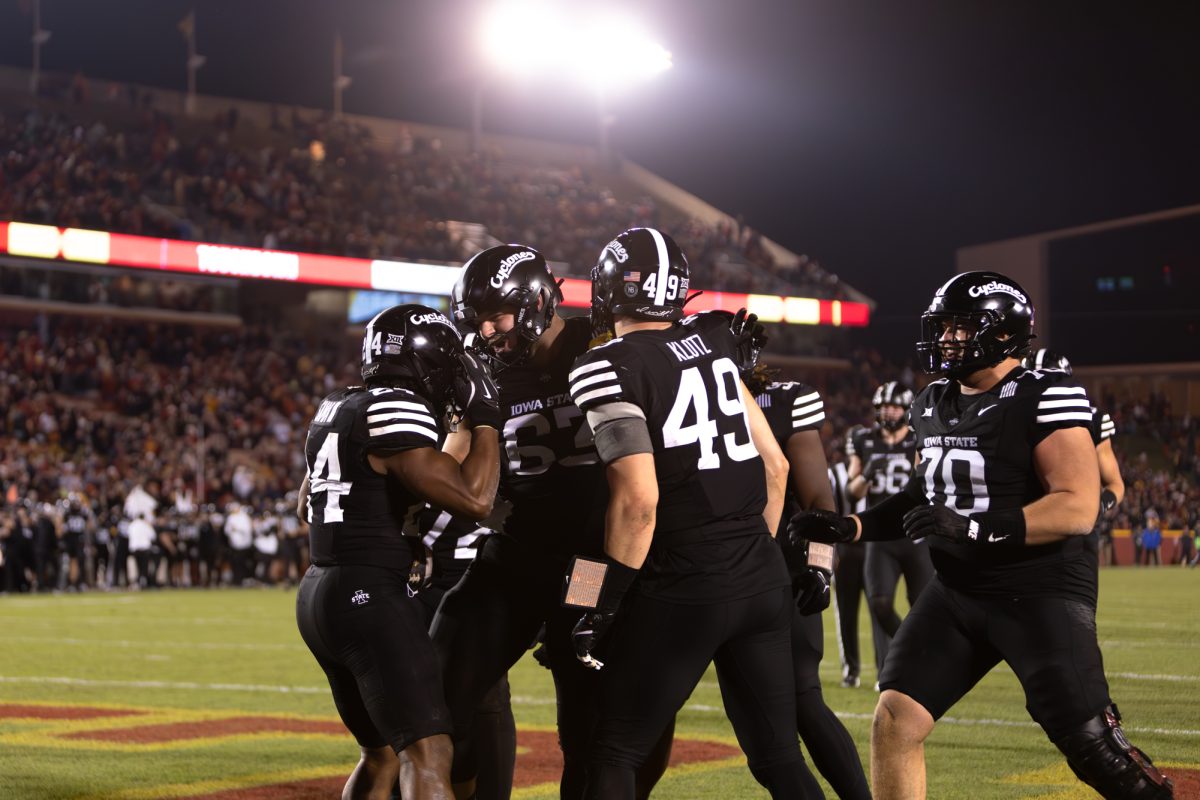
x=618, y=251
x=508, y=265
x=420, y=319
x=995, y=286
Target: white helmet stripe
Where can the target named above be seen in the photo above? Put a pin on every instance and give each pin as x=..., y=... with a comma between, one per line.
x=368, y=338
x=664, y=267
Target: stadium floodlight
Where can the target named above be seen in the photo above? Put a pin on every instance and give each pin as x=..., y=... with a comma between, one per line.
x=523, y=37
x=612, y=50
x=533, y=37
x=536, y=38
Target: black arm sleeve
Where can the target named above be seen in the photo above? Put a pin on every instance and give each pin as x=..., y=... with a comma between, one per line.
x=884, y=521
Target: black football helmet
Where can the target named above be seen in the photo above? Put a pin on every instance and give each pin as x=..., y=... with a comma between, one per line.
x=1045, y=358
x=507, y=275
x=413, y=346
x=641, y=274
x=994, y=310
x=892, y=393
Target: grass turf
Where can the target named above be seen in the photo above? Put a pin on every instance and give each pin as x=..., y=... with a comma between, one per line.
x=184, y=657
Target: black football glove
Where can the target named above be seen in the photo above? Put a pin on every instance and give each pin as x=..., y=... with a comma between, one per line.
x=476, y=393
x=995, y=527
x=827, y=527
x=751, y=338
x=811, y=590
x=1108, y=499
x=588, y=632
x=598, y=585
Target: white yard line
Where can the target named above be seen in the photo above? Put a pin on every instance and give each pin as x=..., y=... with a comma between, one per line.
x=62, y=640
x=173, y=685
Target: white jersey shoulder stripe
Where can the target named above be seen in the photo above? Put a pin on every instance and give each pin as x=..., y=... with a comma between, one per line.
x=806, y=421
x=808, y=409
x=1064, y=390
x=402, y=405
x=388, y=416
x=403, y=427
x=586, y=368
x=1064, y=416
x=602, y=392
x=1075, y=402
x=602, y=377
x=806, y=398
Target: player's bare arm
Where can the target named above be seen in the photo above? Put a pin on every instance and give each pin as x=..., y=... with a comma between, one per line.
x=808, y=473
x=302, y=500
x=468, y=488
x=1066, y=463
x=629, y=523
x=856, y=484
x=1110, y=472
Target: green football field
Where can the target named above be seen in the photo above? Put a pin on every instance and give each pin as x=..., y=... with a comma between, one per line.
x=186, y=694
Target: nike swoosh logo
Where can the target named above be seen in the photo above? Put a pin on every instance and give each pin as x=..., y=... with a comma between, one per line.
x=994, y=538
x=983, y=411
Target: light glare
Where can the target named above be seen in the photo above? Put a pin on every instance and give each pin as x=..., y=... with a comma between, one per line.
x=530, y=37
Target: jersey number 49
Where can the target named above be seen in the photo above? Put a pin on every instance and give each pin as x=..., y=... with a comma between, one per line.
x=696, y=387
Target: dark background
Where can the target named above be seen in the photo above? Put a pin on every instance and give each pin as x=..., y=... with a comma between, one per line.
x=875, y=136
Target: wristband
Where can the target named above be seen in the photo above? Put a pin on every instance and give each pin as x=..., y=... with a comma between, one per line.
x=994, y=527
x=820, y=556
x=597, y=584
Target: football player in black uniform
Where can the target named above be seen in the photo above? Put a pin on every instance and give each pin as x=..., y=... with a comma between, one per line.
x=1112, y=485
x=795, y=413
x=881, y=461
x=692, y=509
x=372, y=452
x=1007, y=488
x=451, y=543
x=552, y=478
x=848, y=584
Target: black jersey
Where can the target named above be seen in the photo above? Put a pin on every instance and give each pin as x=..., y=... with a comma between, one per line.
x=977, y=455
x=712, y=487
x=355, y=514
x=452, y=541
x=791, y=408
x=891, y=463
x=549, y=470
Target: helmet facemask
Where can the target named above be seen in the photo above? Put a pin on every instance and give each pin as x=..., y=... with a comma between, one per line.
x=501, y=280
x=979, y=341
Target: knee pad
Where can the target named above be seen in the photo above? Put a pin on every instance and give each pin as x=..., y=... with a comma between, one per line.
x=1098, y=752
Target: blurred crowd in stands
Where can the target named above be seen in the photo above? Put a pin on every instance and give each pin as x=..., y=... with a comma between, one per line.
x=204, y=421
x=324, y=186
x=167, y=454
x=1158, y=498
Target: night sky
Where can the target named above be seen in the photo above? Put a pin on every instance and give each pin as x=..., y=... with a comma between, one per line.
x=876, y=136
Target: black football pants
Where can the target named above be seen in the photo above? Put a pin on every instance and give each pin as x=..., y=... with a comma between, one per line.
x=487, y=622
x=826, y=738
x=656, y=654
x=885, y=563
x=848, y=590
x=493, y=746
